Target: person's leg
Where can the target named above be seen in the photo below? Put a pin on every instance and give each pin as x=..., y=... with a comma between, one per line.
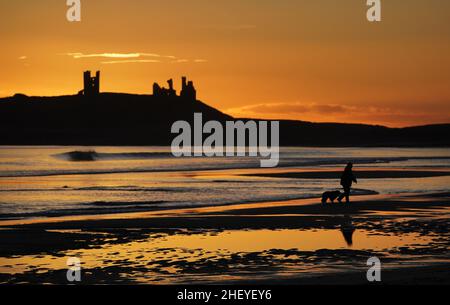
x=347, y=194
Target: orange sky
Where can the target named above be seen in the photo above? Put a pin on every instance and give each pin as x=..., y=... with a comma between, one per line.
x=297, y=59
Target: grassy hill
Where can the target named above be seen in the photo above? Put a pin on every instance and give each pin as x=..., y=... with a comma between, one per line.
x=129, y=119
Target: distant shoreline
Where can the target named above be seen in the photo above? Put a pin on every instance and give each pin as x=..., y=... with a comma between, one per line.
x=417, y=146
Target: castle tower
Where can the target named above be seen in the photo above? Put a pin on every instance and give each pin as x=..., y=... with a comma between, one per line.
x=171, y=91
x=91, y=84
x=188, y=90
x=97, y=83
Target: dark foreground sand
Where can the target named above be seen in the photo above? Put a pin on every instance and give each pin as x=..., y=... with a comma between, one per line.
x=424, y=215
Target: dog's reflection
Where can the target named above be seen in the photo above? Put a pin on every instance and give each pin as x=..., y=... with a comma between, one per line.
x=347, y=230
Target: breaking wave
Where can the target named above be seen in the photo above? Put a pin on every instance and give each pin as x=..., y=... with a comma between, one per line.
x=92, y=155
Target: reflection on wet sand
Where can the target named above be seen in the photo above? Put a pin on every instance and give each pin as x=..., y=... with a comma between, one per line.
x=205, y=256
x=347, y=230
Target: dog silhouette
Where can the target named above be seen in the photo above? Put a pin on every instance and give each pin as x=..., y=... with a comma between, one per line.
x=332, y=196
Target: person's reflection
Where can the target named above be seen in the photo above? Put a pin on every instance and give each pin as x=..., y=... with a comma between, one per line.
x=347, y=230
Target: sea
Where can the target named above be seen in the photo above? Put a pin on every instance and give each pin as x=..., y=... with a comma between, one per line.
x=49, y=181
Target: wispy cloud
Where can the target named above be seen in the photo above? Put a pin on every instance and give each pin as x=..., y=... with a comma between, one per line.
x=23, y=57
x=323, y=112
x=179, y=61
x=126, y=58
x=292, y=108
x=130, y=61
x=112, y=55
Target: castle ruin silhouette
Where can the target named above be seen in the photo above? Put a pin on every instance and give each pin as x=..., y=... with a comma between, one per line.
x=187, y=89
x=188, y=92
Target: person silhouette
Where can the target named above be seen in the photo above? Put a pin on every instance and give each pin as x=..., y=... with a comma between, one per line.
x=347, y=180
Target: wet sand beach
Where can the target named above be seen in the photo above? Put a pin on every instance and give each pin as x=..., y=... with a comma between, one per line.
x=287, y=242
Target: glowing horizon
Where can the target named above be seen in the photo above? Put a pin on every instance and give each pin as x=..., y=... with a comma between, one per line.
x=300, y=60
